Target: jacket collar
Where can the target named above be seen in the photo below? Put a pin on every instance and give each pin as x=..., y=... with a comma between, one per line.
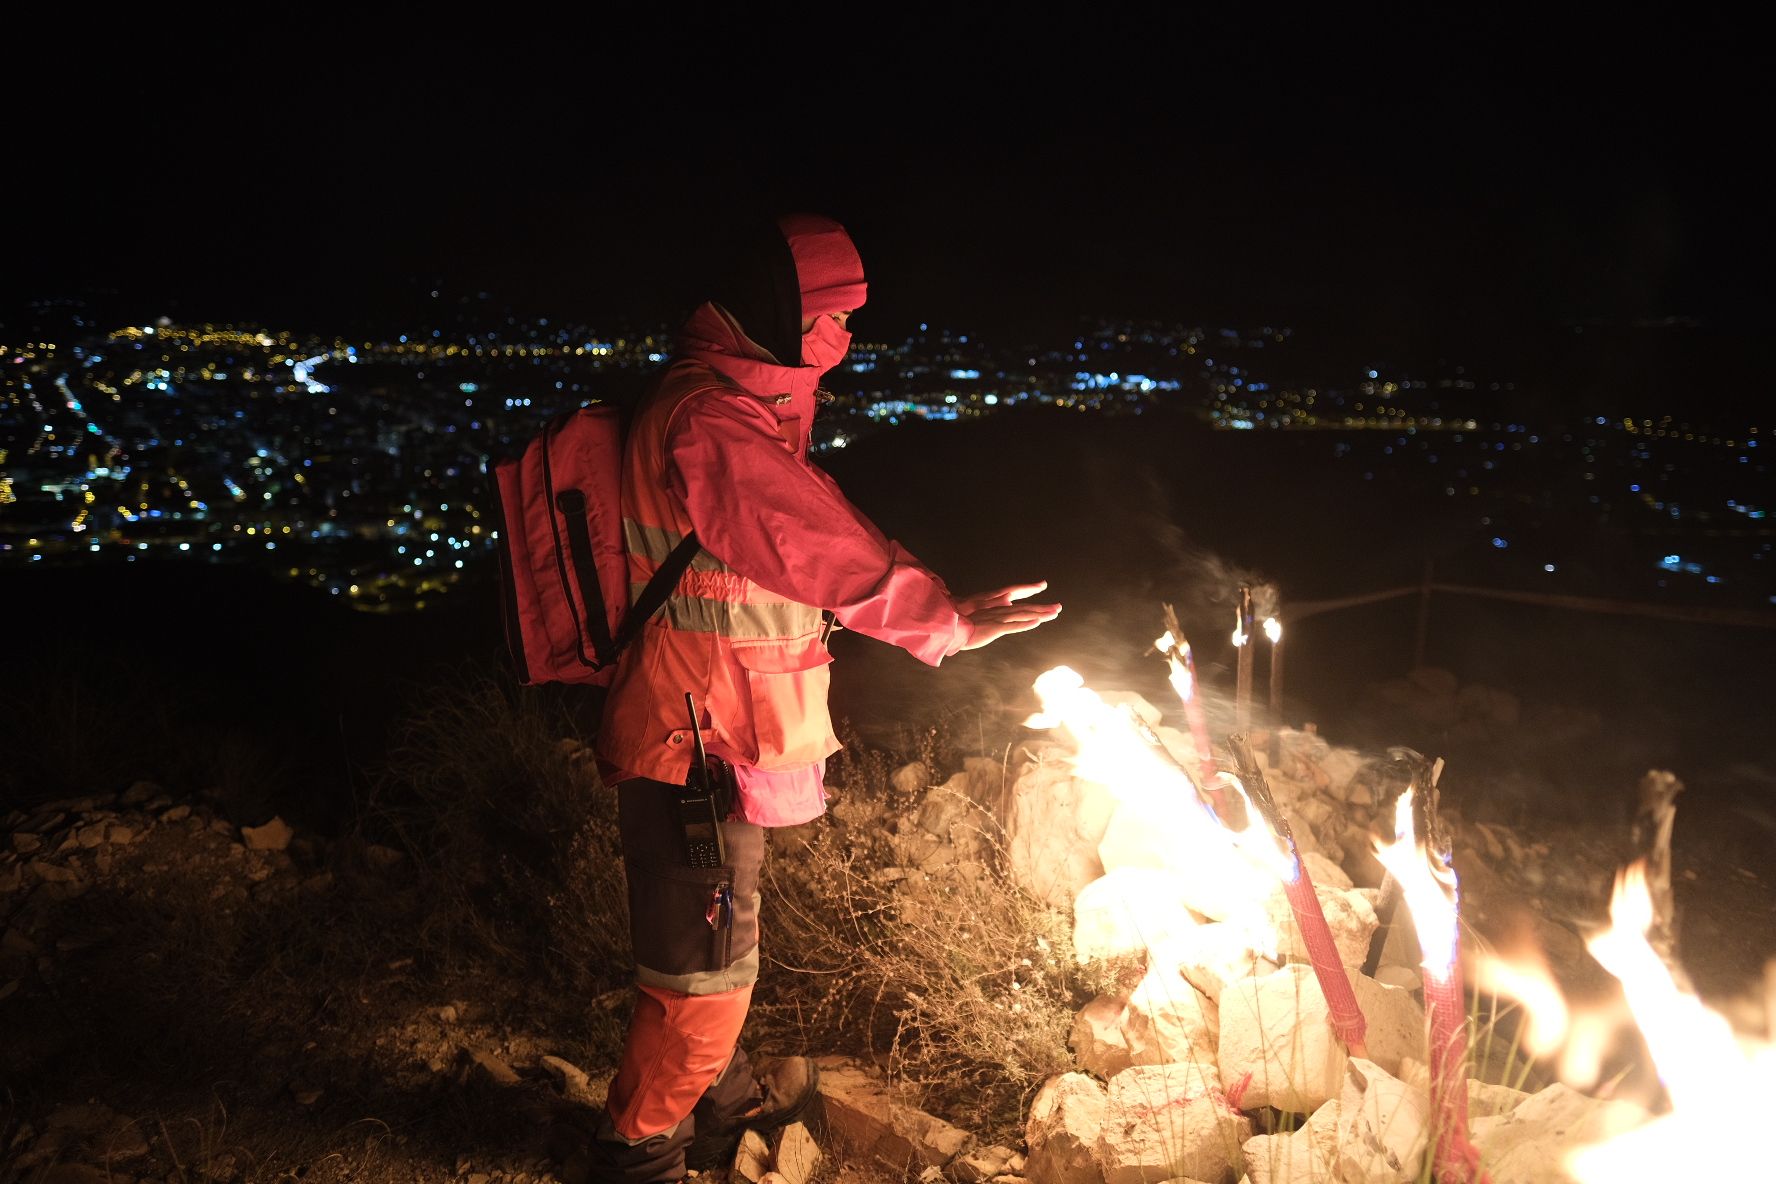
x=713, y=337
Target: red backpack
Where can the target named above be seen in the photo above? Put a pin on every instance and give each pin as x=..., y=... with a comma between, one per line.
x=564, y=568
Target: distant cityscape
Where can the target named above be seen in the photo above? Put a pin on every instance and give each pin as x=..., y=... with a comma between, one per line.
x=359, y=467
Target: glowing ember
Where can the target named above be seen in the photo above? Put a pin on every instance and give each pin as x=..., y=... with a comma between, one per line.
x=1273, y=629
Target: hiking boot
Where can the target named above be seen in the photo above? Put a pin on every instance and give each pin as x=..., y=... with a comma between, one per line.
x=787, y=1088
x=586, y=1154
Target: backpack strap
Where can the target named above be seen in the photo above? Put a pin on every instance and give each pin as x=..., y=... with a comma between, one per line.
x=572, y=504
x=657, y=589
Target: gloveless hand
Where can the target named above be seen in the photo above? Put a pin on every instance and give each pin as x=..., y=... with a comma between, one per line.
x=992, y=615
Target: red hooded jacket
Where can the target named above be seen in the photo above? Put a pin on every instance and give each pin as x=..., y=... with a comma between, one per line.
x=720, y=446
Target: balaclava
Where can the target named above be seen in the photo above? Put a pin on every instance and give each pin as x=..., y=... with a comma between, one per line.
x=829, y=273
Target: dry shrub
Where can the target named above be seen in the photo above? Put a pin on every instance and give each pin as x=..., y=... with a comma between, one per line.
x=491, y=787
x=954, y=980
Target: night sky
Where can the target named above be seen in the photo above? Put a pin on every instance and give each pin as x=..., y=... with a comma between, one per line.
x=1418, y=189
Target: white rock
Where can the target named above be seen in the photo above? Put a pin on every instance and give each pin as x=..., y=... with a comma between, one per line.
x=273, y=836
x=861, y=1111
x=569, y=1078
x=1321, y=1133
x=752, y=1159
x=1325, y=873
x=1168, y=1020
x=1278, y=1030
x=1349, y=917
x=943, y=806
x=1404, y=977
x=795, y=1154
x=1098, y=1041
x=1486, y=1100
x=910, y=780
x=1162, y=1121
x=1530, y=1144
x=1061, y=1134
x=984, y=1163
x=1284, y=1159
x=1057, y=822
x=1211, y=956
x=1383, y=1127
x=1339, y=766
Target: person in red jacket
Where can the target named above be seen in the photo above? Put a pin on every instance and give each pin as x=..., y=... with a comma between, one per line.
x=719, y=447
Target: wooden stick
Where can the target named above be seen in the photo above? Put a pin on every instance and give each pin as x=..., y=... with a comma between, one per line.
x=1652, y=837
x=1242, y=694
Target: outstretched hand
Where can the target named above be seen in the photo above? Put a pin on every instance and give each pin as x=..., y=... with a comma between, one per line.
x=992, y=615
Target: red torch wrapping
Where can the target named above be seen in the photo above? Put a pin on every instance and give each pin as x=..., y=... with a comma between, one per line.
x=1206, y=768
x=1457, y=1159
x=1322, y=951
x=1304, y=902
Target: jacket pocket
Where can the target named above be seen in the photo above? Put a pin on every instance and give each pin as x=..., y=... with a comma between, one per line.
x=787, y=685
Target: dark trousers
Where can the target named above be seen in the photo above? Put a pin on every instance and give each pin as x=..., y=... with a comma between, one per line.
x=694, y=935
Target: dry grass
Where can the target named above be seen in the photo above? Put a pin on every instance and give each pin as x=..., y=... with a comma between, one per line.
x=953, y=980
x=491, y=789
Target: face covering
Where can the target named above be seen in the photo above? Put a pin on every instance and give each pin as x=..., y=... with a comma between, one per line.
x=824, y=345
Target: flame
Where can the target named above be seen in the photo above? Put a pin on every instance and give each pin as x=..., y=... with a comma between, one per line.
x=1691, y=1045
x=1109, y=748
x=1429, y=887
x=1700, y=1060
x=1178, y=665
x=1239, y=628
x=1255, y=839
x=1527, y=979
x=1258, y=841
x=1273, y=629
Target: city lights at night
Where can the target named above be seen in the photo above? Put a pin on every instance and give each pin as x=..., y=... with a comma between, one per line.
x=358, y=827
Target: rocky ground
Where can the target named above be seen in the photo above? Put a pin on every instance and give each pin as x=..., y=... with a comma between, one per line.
x=343, y=1046
x=187, y=999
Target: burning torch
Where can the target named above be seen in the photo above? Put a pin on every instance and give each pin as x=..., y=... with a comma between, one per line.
x=1242, y=641
x=1183, y=679
x=1420, y=860
x=1304, y=902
